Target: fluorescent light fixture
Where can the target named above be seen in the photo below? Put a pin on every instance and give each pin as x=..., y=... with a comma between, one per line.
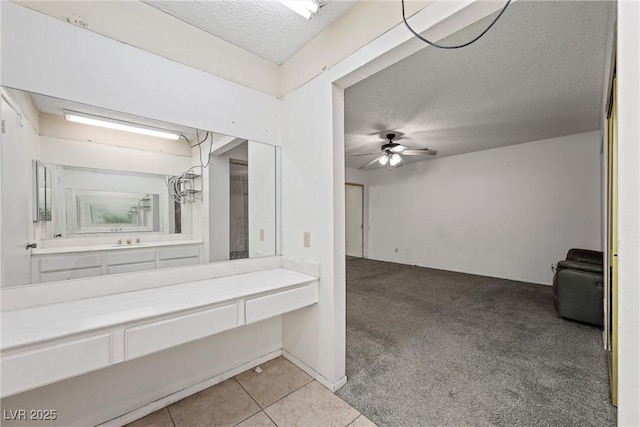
x=304, y=8
x=383, y=160
x=118, y=125
x=395, y=159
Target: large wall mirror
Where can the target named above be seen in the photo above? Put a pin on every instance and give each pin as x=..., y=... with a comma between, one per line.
x=95, y=191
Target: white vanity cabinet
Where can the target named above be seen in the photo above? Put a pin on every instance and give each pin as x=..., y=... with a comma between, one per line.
x=75, y=262
x=47, y=343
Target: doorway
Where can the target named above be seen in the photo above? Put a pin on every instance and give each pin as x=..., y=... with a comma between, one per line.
x=354, y=204
x=238, y=209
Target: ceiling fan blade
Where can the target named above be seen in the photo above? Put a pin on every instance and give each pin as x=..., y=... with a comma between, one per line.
x=366, y=154
x=371, y=162
x=419, y=152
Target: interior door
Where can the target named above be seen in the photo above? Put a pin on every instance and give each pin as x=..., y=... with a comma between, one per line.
x=15, y=193
x=354, y=199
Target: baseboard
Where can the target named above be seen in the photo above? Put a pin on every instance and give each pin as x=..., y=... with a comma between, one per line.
x=186, y=392
x=333, y=386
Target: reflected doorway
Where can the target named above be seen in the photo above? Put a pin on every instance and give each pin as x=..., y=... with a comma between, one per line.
x=238, y=209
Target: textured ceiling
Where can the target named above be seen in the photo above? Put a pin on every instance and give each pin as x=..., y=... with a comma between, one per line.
x=265, y=27
x=537, y=74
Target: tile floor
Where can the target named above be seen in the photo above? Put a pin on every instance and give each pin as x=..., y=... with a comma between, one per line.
x=281, y=395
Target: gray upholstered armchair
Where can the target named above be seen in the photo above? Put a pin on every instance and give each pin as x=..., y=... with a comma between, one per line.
x=578, y=286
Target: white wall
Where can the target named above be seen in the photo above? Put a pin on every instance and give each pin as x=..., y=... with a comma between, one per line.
x=314, y=335
x=509, y=212
x=628, y=69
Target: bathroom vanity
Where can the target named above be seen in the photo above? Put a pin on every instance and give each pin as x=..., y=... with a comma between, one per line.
x=64, y=333
x=51, y=264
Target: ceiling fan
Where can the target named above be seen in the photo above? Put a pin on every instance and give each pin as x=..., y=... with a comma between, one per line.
x=392, y=153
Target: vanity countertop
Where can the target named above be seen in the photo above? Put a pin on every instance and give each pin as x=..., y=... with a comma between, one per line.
x=111, y=247
x=48, y=322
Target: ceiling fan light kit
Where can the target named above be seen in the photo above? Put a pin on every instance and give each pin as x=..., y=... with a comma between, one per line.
x=392, y=152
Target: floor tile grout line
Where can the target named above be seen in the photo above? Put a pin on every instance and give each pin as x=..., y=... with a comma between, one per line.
x=241, y=421
x=288, y=394
x=170, y=416
x=312, y=380
x=252, y=398
x=272, y=420
x=273, y=403
x=353, y=420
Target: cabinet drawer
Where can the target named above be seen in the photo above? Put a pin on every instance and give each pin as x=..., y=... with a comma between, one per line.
x=130, y=268
x=31, y=369
x=272, y=305
x=157, y=336
x=54, y=276
x=135, y=256
x=70, y=262
x=180, y=252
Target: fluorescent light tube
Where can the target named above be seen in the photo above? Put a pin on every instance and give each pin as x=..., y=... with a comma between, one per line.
x=118, y=125
x=304, y=8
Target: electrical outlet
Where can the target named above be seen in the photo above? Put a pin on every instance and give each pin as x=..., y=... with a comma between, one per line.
x=307, y=239
x=262, y=234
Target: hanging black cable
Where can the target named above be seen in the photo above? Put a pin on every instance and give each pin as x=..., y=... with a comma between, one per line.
x=210, y=150
x=439, y=46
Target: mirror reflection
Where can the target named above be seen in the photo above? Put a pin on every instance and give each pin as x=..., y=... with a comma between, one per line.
x=114, y=193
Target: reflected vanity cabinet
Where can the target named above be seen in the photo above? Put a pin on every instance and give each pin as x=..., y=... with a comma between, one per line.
x=55, y=264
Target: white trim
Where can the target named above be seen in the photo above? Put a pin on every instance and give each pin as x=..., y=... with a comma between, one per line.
x=186, y=392
x=333, y=386
x=12, y=104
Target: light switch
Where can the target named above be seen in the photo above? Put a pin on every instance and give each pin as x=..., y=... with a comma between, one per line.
x=307, y=239
x=262, y=234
